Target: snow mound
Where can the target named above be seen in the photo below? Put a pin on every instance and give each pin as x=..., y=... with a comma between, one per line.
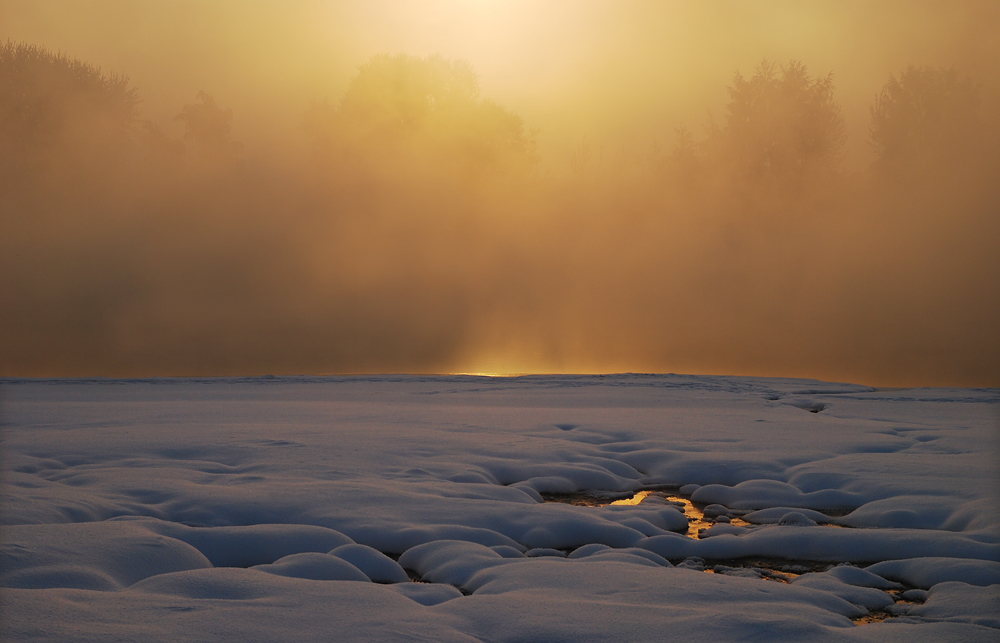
x=824, y=544
x=507, y=551
x=720, y=467
x=92, y=555
x=250, y=545
x=958, y=602
x=564, y=478
x=761, y=494
x=720, y=529
x=426, y=593
x=588, y=550
x=927, y=572
x=545, y=552
x=715, y=510
x=694, y=563
x=656, y=515
x=867, y=597
x=373, y=563
x=396, y=541
x=589, y=586
x=796, y=519
x=451, y=561
x=774, y=515
x=860, y=577
x=919, y=512
x=620, y=556
x=628, y=555
x=64, y=576
x=314, y=566
x=570, y=533
x=916, y=595
x=231, y=584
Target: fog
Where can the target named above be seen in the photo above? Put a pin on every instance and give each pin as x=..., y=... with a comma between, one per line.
x=774, y=188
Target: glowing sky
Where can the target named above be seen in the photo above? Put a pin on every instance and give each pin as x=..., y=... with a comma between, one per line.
x=614, y=71
x=543, y=276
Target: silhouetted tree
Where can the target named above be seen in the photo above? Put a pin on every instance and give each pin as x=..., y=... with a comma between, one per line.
x=926, y=119
x=53, y=107
x=399, y=105
x=208, y=126
x=394, y=95
x=781, y=124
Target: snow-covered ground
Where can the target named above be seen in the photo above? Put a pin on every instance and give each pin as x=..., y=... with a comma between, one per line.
x=301, y=509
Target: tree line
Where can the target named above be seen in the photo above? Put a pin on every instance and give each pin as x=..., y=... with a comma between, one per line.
x=782, y=125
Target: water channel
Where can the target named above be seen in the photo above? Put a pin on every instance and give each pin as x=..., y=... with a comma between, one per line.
x=701, y=518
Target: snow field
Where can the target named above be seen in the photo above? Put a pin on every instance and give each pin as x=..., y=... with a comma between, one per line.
x=232, y=509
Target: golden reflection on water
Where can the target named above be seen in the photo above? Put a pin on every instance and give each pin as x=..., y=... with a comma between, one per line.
x=695, y=516
x=634, y=500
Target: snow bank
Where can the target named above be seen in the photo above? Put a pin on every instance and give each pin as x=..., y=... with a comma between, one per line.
x=825, y=544
x=587, y=550
x=578, y=595
x=250, y=545
x=451, y=561
x=921, y=512
x=861, y=577
x=649, y=518
x=958, y=602
x=929, y=571
x=720, y=529
x=759, y=494
x=867, y=597
x=629, y=554
x=231, y=584
x=774, y=515
x=314, y=566
x=91, y=555
x=510, y=552
x=545, y=552
x=375, y=565
x=402, y=538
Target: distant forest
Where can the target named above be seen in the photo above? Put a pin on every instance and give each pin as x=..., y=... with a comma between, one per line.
x=419, y=228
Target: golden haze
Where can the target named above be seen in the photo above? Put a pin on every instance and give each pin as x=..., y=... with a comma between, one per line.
x=502, y=187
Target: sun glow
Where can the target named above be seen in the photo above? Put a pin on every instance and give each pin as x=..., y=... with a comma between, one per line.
x=492, y=374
